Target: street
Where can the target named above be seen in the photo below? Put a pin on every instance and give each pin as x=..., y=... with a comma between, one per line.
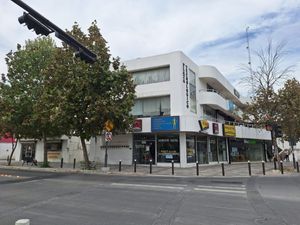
x=81, y=199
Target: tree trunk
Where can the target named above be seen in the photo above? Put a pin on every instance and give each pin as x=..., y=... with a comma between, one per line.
x=85, y=154
x=13, y=148
x=274, y=143
x=45, y=163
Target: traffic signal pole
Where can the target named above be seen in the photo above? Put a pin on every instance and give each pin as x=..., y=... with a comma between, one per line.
x=82, y=51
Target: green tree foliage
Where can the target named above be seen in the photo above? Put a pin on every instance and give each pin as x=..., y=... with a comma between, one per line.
x=91, y=94
x=26, y=98
x=289, y=109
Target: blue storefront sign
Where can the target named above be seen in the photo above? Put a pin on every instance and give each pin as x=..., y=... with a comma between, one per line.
x=165, y=123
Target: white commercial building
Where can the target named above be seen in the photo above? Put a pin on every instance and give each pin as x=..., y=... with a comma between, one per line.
x=185, y=113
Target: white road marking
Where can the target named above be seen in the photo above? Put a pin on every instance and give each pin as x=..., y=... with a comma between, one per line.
x=221, y=190
x=222, y=187
x=147, y=186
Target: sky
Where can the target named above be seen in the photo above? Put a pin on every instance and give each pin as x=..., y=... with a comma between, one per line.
x=209, y=32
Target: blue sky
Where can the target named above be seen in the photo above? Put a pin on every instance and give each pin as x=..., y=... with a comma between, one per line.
x=209, y=32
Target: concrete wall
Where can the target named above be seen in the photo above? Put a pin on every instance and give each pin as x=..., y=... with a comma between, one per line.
x=5, y=150
x=120, y=148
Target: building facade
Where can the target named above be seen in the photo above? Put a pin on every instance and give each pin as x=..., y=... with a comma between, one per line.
x=184, y=113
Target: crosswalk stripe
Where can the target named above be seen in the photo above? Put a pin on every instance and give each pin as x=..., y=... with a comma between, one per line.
x=222, y=187
x=147, y=186
x=221, y=190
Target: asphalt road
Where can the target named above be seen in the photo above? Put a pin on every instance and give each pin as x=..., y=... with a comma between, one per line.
x=79, y=199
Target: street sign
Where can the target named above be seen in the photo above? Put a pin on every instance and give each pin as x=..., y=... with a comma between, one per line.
x=109, y=125
x=108, y=136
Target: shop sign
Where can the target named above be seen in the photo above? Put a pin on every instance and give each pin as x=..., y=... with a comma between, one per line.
x=229, y=130
x=165, y=123
x=215, y=128
x=204, y=125
x=138, y=125
x=251, y=142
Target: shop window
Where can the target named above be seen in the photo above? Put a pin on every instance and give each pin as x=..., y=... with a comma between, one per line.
x=222, y=149
x=190, y=149
x=168, y=148
x=54, y=146
x=202, y=153
x=144, y=148
x=213, y=154
x=158, y=106
x=151, y=76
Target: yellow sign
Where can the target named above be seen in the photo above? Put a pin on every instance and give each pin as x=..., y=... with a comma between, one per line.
x=204, y=125
x=229, y=130
x=109, y=125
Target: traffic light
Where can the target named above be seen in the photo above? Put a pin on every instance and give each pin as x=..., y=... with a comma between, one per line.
x=34, y=24
x=85, y=56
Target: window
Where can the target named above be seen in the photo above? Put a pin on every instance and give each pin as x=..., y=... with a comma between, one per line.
x=192, y=84
x=158, y=106
x=190, y=149
x=151, y=76
x=209, y=113
x=168, y=148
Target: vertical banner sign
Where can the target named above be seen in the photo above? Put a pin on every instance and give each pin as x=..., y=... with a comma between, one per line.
x=183, y=72
x=187, y=86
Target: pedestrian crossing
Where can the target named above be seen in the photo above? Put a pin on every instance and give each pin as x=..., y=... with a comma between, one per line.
x=214, y=189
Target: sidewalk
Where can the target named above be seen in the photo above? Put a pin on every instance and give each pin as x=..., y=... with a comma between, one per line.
x=231, y=170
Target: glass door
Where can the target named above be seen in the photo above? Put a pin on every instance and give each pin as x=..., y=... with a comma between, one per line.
x=144, y=149
x=202, y=154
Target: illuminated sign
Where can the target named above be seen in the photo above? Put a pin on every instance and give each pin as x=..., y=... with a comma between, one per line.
x=215, y=128
x=204, y=125
x=138, y=125
x=165, y=123
x=229, y=130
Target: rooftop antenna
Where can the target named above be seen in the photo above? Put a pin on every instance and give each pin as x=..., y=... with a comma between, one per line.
x=249, y=60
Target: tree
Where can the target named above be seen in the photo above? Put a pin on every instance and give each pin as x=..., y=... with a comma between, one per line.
x=289, y=110
x=91, y=94
x=264, y=78
x=26, y=95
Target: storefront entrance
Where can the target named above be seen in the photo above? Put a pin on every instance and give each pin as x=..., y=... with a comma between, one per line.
x=28, y=151
x=144, y=148
x=202, y=153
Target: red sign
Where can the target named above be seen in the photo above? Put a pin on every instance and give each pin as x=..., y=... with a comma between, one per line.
x=138, y=125
x=215, y=128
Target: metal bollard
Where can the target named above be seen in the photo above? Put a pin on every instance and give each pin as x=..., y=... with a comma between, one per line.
x=275, y=165
x=134, y=168
x=23, y=222
x=281, y=167
x=61, y=162
x=172, y=167
x=120, y=165
x=294, y=161
x=74, y=163
x=223, y=169
x=150, y=166
x=249, y=167
x=297, y=165
x=197, y=168
x=263, y=167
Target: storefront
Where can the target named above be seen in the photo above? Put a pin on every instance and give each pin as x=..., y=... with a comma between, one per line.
x=242, y=150
x=144, y=148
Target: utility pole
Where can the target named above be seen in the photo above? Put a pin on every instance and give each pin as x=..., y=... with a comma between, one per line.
x=249, y=60
x=43, y=26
